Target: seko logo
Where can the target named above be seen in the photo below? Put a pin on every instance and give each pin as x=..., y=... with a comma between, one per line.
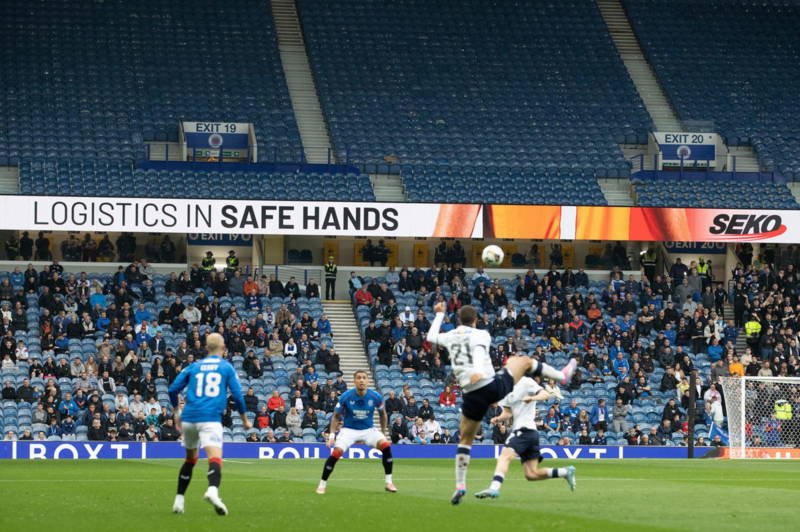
x=746, y=226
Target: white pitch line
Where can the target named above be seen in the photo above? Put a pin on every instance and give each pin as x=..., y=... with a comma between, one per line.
x=376, y=478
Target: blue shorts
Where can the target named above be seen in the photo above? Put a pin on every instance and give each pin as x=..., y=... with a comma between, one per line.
x=477, y=402
x=525, y=442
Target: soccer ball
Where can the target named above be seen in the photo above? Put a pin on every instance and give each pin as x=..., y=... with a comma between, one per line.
x=492, y=256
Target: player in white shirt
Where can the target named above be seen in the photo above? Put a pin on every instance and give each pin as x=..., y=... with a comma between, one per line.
x=481, y=386
x=524, y=439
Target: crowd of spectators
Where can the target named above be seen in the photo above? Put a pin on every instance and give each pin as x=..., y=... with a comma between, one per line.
x=644, y=335
x=641, y=337
x=115, y=386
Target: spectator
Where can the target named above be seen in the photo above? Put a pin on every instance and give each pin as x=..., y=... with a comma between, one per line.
x=419, y=433
x=96, y=431
x=293, y=422
x=552, y=422
x=499, y=434
x=394, y=405
x=279, y=418
x=309, y=419
x=399, y=431
x=599, y=415
x=275, y=402
x=664, y=432
x=600, y=438
x=426, y=412
x=168, y=431
x=446, y=398
x=411, y=410
x=669, y=381
x=619, y=414
x=432, y=426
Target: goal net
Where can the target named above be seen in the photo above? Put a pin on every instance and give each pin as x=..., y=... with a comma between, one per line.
x=763, y=416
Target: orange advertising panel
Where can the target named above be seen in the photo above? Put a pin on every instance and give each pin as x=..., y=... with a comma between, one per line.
x=775, y=453
x=602, y=223
x=522, y=221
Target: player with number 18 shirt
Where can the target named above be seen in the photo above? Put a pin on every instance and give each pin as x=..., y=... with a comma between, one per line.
x=207, y=382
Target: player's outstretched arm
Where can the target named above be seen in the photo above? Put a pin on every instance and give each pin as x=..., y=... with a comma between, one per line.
x=506, y=414
x=384, y=419
x=177, y=386
x=236, y=391
x=336, y=421
x=541, y=395
x=433, y=332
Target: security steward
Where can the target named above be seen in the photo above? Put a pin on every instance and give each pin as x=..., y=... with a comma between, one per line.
x=783, y=413
x=330, y=278
x=231, y=264
x=207, y=265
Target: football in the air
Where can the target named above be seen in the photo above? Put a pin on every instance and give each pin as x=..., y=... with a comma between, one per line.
x=492, y=256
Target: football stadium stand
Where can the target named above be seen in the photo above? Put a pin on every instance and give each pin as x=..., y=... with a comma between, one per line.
x=62, y=332
x=734, y=63
x=44, y=329
x=585, y=318
x=539, y=87
x=712, y=189
x=95, y=80
x=92, y=83
x=195, y=180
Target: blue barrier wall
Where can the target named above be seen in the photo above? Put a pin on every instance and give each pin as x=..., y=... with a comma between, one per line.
x=49, y=450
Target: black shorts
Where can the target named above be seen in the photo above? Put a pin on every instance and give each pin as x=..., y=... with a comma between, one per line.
x=525, y=442
x=477, y=402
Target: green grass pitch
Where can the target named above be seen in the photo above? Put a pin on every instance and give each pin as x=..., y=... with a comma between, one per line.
x=699, y=495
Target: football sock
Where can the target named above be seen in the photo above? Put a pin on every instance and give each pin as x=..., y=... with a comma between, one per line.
x=497, y=481
x=462, y=462
x=556, y=472
x=214, y=472
x=330, y=463
x=185, y=475
x=388, y=462
x=545, y=370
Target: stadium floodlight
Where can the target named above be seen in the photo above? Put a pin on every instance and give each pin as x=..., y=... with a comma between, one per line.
x=763, y=416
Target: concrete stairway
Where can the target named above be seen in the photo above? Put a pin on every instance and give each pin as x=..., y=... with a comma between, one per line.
x=644, y=79
x=617, y=191
x=741, y=340
x=349, y=346
x=302, y=90
x=388, y=187
x=9, y=180
x=746, y=159
x=347, y=339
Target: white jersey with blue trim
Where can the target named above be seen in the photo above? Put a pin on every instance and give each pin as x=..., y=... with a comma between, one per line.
x=524, y=412
x=469, y=352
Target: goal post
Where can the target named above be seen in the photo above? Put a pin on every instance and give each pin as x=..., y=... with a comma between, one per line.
x=763, y=416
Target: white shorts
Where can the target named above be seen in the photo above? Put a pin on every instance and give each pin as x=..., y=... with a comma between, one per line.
x=204, y=434
x=348, y=437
